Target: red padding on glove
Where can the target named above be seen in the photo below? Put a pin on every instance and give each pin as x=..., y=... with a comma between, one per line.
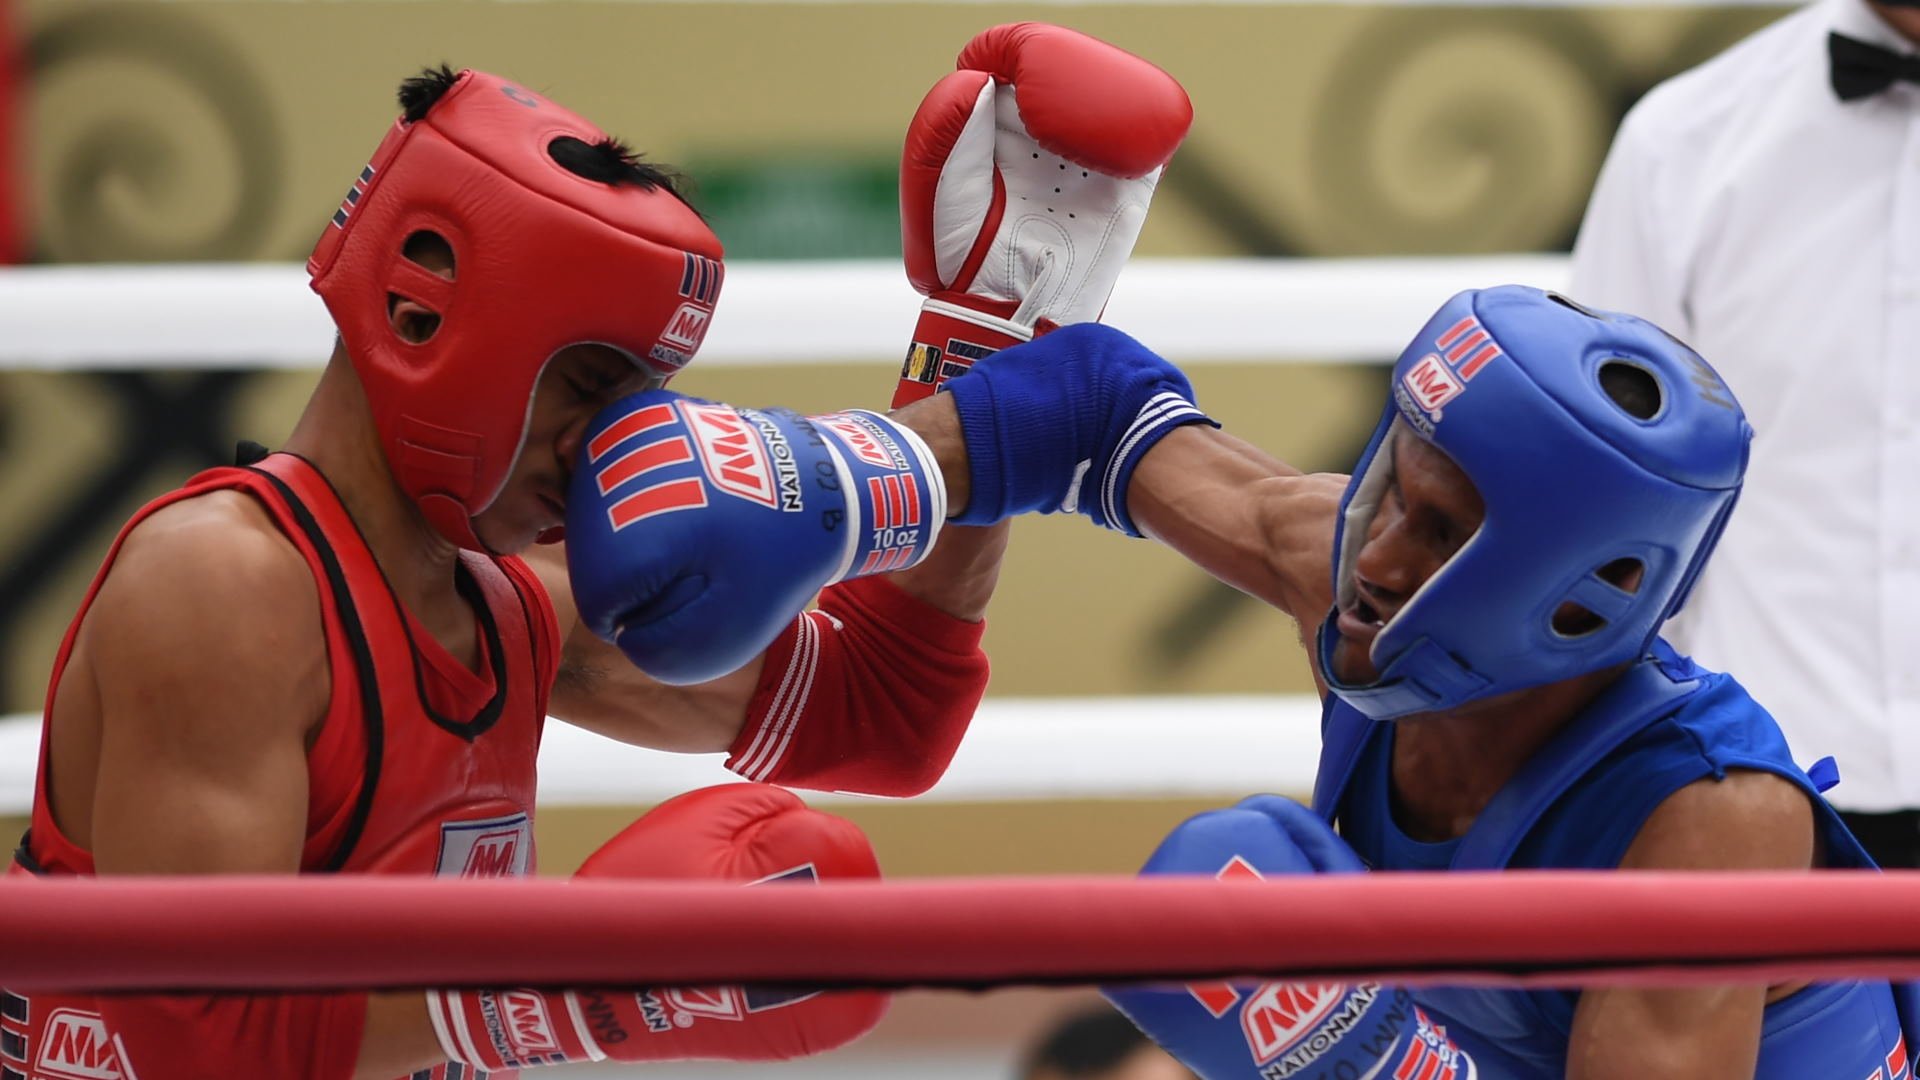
x=1084, y=99
x=869, y=694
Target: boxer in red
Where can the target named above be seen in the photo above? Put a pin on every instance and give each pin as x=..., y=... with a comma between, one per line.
x=338, y=657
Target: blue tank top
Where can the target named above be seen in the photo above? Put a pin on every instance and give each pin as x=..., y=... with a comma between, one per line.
x=1578, y=805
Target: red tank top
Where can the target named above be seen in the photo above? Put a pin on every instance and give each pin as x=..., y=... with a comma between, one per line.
x=402, y=778
x=420, y=766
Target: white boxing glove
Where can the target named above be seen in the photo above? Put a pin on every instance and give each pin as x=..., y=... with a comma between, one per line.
x=1023, y=186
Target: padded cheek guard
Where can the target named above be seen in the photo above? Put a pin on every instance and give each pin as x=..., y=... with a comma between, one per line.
x=543, y=259
x=1506, y=382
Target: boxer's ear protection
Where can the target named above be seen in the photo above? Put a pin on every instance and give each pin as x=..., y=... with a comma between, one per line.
x=412, y=320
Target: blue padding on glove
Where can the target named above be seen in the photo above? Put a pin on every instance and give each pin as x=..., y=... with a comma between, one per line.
x=1059, y=423
x=697, y=531
x=1254, y=1030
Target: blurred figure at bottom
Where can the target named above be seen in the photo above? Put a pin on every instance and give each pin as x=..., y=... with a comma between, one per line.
x=1097, y=1043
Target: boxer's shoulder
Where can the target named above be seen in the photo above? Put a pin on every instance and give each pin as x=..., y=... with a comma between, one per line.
x=207, y=592
x=1746, y=819
x=214, y=544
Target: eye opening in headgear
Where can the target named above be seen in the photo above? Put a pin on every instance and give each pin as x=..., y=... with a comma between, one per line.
x=1632, y=388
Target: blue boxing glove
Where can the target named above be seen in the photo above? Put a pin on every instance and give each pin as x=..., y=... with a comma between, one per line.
x=1304, y=1031
x=1060, y=422
x=697, y=531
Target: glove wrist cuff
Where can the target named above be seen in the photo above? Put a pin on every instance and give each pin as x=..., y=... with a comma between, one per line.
x=953, y=333
x=498, y=1030
x=896, y=497
x=1061, y=424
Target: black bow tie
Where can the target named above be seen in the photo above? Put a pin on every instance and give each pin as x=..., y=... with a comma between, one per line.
x=1862, y=70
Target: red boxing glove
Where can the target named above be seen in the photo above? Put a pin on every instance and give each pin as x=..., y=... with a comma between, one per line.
x=747, y=832
x=1024, y=183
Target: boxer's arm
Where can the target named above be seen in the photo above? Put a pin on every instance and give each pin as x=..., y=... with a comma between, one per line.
x=599, y=689
x=206, y=657
x=1747, y=821
x=208, y=663
x=1249, y=519
x=958, y=578
x=1237, y=512
x=891, y=669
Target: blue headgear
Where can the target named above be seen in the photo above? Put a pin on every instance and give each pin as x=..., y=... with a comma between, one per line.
x=1506, y=382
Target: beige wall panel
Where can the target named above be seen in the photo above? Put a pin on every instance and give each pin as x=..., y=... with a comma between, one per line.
x=1319, y=128
x=916, y=838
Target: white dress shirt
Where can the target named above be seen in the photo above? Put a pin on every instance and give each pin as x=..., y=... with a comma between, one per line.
x=1747, y=210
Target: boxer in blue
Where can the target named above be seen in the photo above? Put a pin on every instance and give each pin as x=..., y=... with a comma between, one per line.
x=1543, y=488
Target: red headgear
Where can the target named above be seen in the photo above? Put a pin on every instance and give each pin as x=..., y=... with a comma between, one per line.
x=543, y=259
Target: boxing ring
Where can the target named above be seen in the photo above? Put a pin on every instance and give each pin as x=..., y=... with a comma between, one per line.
x=1521, y=929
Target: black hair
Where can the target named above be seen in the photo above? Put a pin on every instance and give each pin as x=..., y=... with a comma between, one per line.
x=1085, y=1044
x=419, y=93
x=611, y=161
x=608, y=161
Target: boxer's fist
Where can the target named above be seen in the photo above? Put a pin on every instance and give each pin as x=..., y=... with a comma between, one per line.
x=1271, y=834
x=735, y=832
x=1233, y=1031
x=696, y=531
x=1023, y=185
x=755, y=834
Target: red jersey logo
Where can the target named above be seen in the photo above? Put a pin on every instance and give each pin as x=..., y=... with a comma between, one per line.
x=78, y=1047
x=491, y=848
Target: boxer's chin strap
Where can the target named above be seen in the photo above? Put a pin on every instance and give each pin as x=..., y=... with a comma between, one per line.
x=1423, y=678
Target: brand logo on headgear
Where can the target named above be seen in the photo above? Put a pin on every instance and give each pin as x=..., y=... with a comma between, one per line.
x=78, y=1047
x=1442, y=375
x=672, y=358
x=700, y=278
x=687, y=328
x=1431, y=384
x=1468, y=347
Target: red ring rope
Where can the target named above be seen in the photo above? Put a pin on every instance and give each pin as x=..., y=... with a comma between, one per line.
x=1489, y=929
